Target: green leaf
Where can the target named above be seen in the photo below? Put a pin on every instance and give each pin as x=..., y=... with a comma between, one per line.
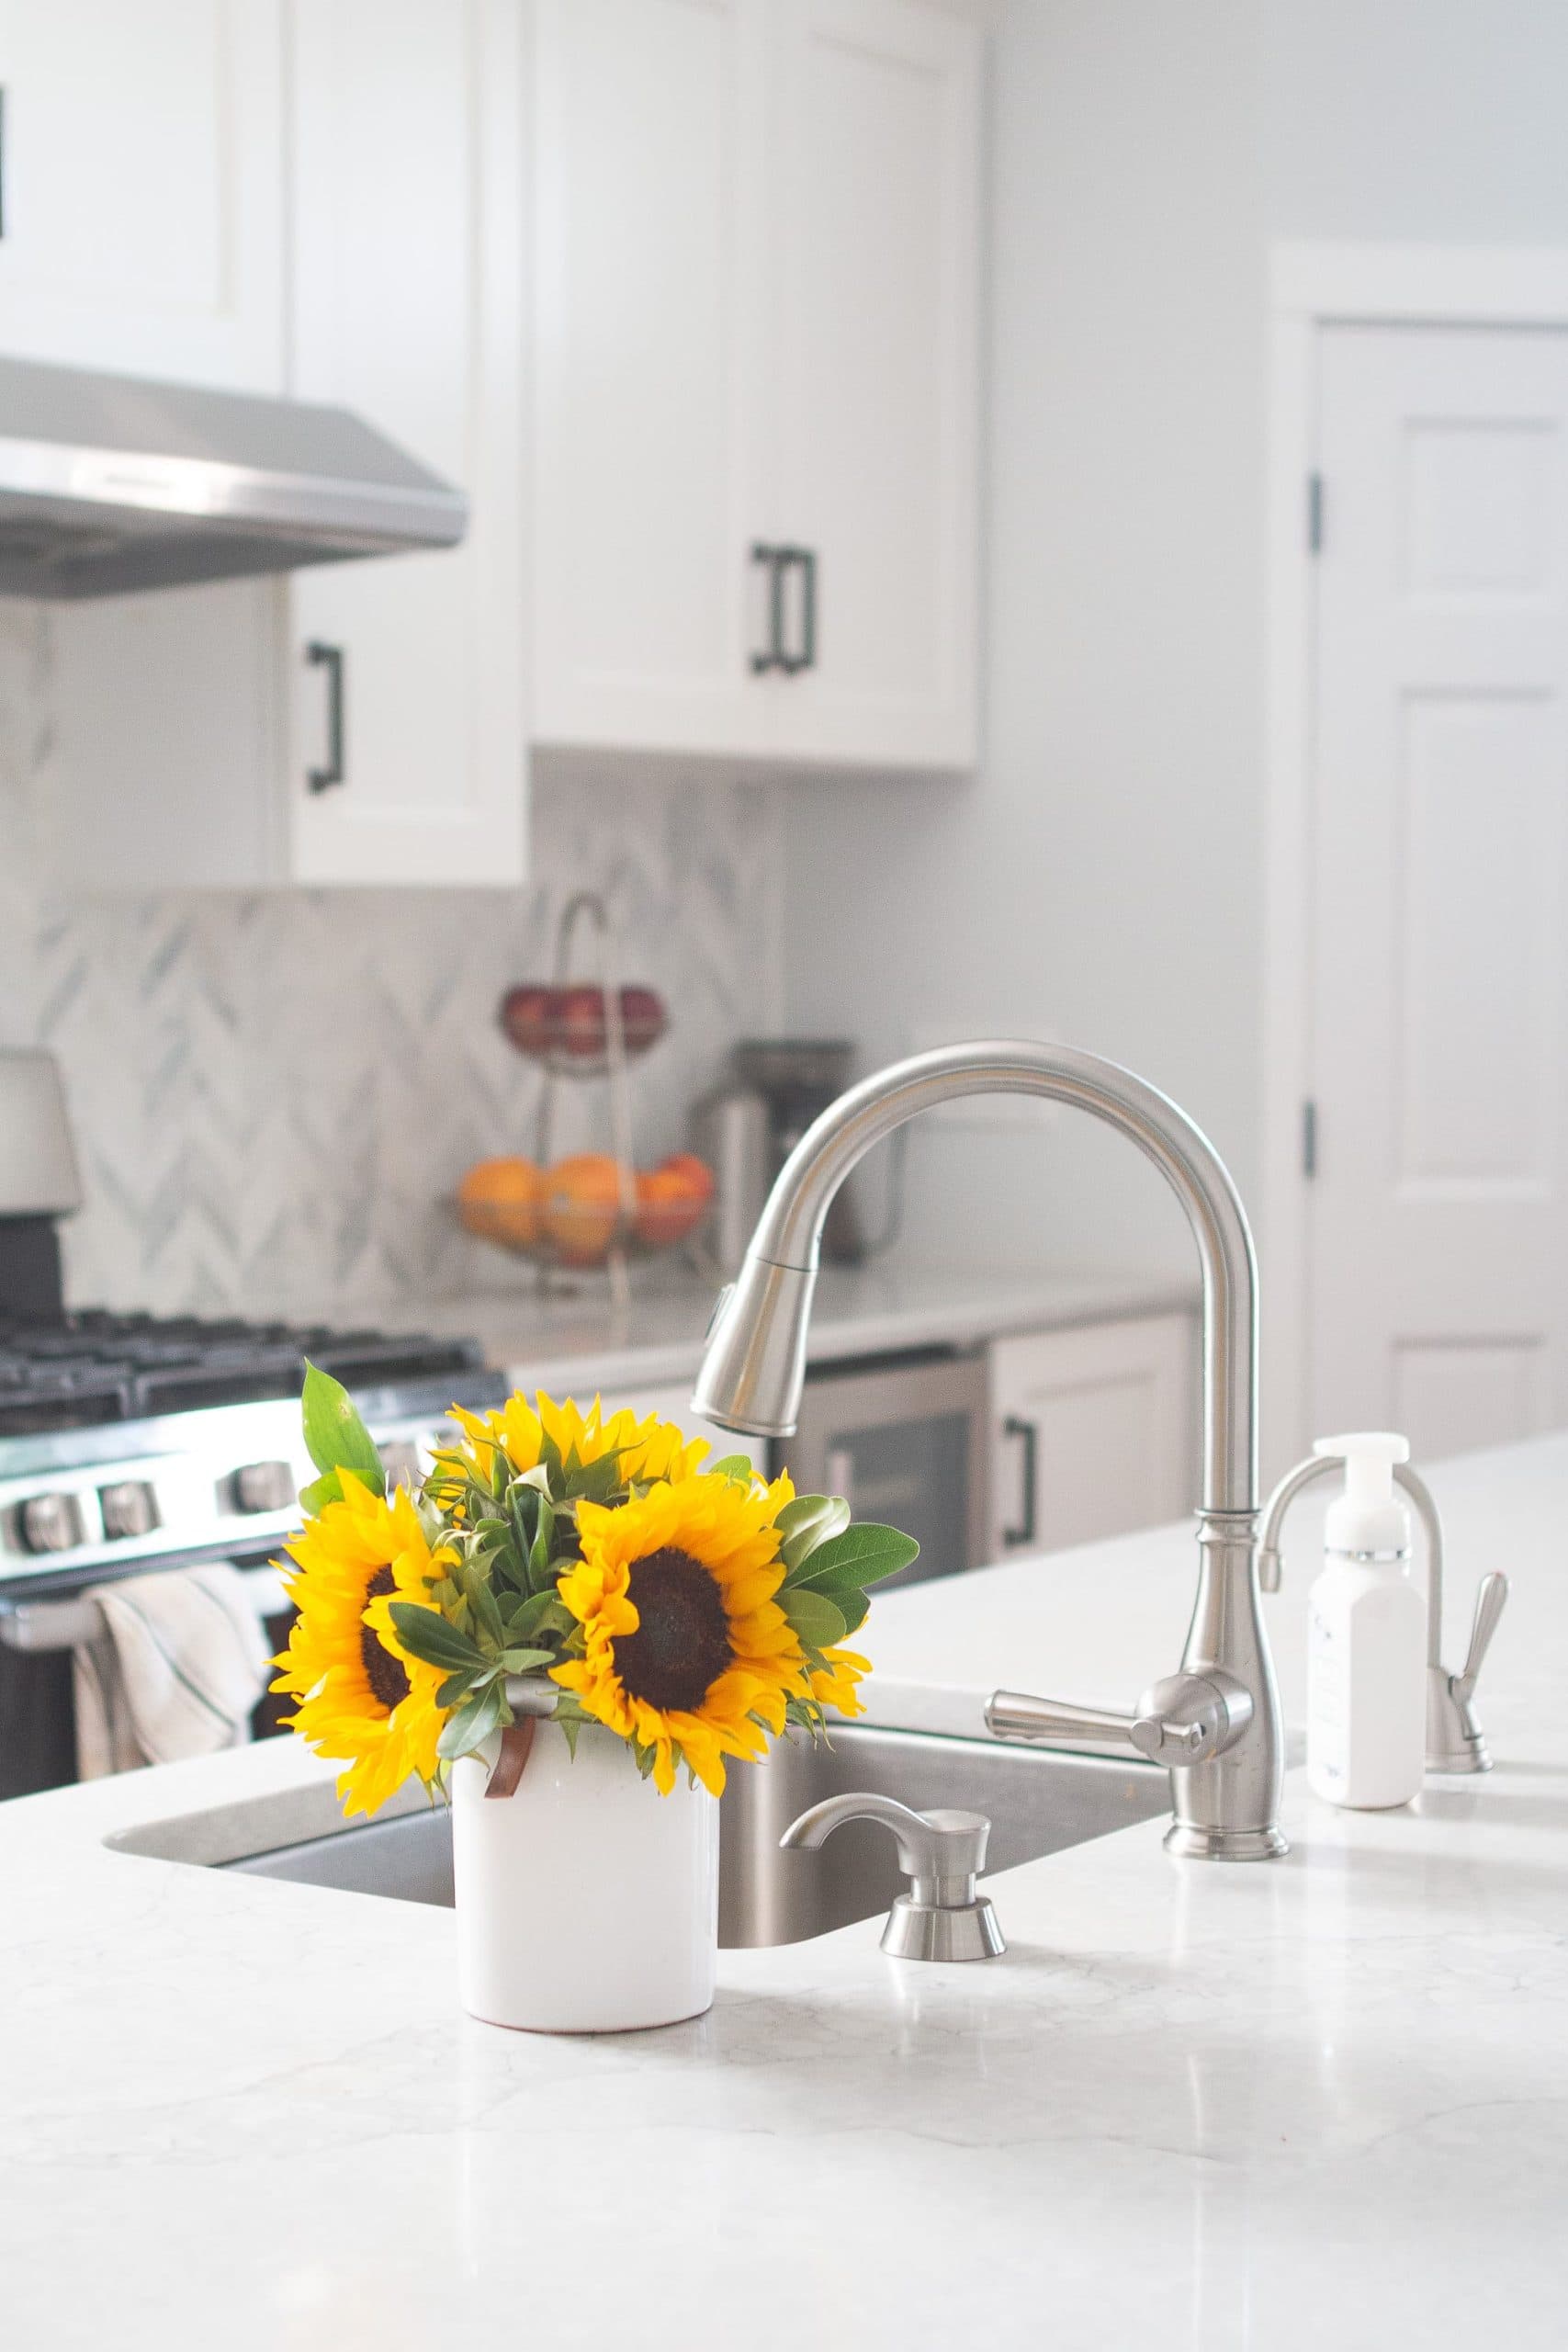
x=540, y=1553
x=335, y=1437
x=453, y=1690
x=737, y=1466
x=814, y=1617
x=522, y=1661
x=853, y=1607
x=426, y=1636
x=472, y=1725
x=863, y=1555
x=486, y=1611
x=542, y=1613
x=806, y=1523
x=322, y=1491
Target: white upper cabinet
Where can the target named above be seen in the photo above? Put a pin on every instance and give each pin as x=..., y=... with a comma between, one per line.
x=358, y=722
x=407, y=273
x=141, y=187
x=756, y=343
x=875, y=230
x=651, y=372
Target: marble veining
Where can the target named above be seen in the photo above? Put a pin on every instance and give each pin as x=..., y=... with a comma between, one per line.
x=1322, y=2102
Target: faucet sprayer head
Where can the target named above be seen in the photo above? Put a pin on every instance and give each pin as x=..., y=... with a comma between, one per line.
x=754, y=1365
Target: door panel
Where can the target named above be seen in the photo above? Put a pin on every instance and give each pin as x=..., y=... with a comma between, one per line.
x=407, y=266
x=1439, y=1215
x=1093, y=1432
x=143, y=187
x=651, y=378
x=875, y=230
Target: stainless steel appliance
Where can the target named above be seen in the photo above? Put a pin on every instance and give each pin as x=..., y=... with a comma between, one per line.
x=903, y=1440
x=135, y=1442
x=798, y=1078
x=111, y=483
x=731, y=1133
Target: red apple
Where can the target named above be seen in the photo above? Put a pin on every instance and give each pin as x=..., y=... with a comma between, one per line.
x=643, y=1019
x=580, y=1022
x=527, y=1017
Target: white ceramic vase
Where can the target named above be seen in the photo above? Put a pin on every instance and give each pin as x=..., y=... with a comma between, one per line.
x=586, y=1901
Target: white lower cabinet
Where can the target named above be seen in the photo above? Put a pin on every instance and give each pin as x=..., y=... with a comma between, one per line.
x=1092, y=1432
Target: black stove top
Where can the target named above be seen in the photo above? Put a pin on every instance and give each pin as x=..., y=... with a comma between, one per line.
x=71, y=1371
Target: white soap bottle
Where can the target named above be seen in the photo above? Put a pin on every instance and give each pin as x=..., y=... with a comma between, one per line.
x=1366, y=1637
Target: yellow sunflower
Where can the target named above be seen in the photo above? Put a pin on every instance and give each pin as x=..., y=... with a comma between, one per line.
x=686, y=1644
x=362, y=1699
x=839, y=1686
x=649, y=1449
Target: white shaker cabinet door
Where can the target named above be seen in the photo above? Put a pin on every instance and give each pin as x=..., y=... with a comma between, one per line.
x=651, y=413
x=405, y=674
x=141, y=198
x=875, y=241
x=1093, y=1432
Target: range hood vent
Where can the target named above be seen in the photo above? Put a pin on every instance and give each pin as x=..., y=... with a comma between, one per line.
x=110, y=484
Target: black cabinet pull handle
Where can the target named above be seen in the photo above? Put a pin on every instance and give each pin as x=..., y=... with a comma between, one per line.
x=1030, y=1432
x=806, y=658
x=331, y=659
x=773, y=659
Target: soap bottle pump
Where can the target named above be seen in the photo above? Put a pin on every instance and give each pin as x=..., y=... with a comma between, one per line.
x=1366, y=1637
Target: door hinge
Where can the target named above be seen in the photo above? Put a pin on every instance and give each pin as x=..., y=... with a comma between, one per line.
x=1309, y=1139
x=1314, y=513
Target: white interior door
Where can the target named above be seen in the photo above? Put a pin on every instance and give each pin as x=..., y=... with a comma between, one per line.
x=875, y=228
x=142, y=187
x=1438, y=1220
x=650, y=378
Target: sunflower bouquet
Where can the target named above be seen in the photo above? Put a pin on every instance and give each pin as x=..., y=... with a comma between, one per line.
x=691, y=1607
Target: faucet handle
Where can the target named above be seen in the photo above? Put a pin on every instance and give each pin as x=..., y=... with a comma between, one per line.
x=941, y=1917
x=1490, y=1602
x=1183, y=1719
x=1454, y=1739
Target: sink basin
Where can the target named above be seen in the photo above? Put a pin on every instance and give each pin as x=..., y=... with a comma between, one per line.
x=1037, y=1802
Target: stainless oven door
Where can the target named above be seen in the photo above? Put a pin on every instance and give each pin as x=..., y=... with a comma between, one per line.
x=905, y=1443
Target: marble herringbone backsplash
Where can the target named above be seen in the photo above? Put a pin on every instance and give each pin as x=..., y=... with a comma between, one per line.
x=274, y=1094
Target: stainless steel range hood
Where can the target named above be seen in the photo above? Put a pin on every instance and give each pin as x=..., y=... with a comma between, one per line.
x=110, y=484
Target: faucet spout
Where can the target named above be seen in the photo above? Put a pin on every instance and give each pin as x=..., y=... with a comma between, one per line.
x=754, y=1366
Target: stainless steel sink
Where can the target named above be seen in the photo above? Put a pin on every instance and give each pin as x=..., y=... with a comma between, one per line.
x=1037, y=1802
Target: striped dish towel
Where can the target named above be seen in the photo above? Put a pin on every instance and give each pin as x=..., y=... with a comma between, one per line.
x=180, y=1663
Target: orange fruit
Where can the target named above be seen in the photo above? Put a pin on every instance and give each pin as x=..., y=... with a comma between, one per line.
x=671, y=1199
x=500, y=1199
x=582, y=1206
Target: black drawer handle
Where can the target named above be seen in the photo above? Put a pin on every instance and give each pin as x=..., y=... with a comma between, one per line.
x=331, y=659
x=773, y=659
x=1030, y=1432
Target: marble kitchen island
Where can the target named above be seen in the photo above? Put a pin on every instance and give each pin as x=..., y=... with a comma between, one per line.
x=1317, y=2103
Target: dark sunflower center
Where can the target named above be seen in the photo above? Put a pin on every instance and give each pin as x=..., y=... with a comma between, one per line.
x=681, y=1644
x=385, y=1674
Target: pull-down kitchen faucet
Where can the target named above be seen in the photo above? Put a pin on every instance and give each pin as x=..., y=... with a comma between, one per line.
x=1215, y=1723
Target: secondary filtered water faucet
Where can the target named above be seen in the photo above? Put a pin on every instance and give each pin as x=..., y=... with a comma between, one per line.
x=1216, y=1723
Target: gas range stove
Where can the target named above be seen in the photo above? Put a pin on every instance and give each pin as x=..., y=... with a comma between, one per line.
x=127, y=1442
x=60, y=1372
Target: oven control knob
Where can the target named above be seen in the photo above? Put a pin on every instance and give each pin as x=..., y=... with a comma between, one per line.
x=130, y=1507
x=51, y=1523
x=264, y=1486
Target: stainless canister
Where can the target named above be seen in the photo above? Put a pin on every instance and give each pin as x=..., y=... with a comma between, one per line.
x=732, y=1132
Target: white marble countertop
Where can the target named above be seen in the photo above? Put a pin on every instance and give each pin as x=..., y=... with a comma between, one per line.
x=880, y=1310
x=1322, y=2102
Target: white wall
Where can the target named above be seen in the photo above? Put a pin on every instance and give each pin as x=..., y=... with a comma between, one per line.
x=1100, y=878
x=1435, y=120
x=1103, y=876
